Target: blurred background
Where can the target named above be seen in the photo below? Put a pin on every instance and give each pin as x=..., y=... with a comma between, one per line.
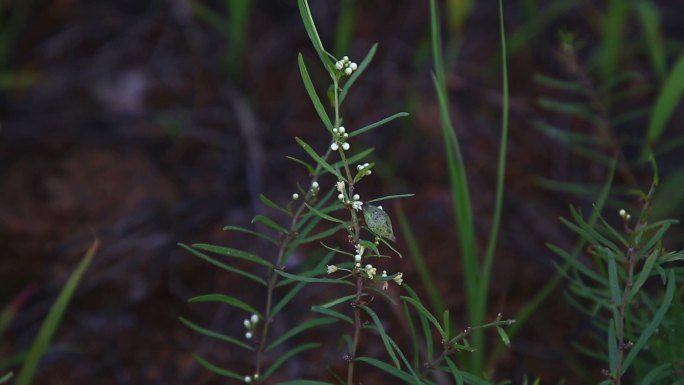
x=153, y=122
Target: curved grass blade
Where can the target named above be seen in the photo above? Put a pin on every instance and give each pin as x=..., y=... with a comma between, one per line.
x=308, y=84
x=378, y=124
x=458, y=377
x=422, y=310
x=303, y=163
x=302, y=278
x=268, y=202
x=230, y=252
x=400, y=374
x=226, y=299
x=53, y=318
x=210, y=333
x=223, y=265
x=323, y=215
x=282, y=359
x=215, y=369
x=310, y=28
x=6, y=377
x=300, y=329
x=332, y=313
x=395, y=196
x=358, y=72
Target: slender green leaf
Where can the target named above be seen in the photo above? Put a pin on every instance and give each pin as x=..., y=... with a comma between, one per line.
x=414, y=335
x=332, y=313
x=285, y=357
x=359, y=70
x=300, y=328
x=458, y=377
x=304, y=382
x=422, y=310
x=6, y=377
x=321, y=162
x=613, y=282
x=302, y=278
x=223, y=265
x=230, y=252
x=377, y=124
x=396, y=196
x=265, y=200
x=651, y=328
x=322, y=235
x=504, y=337
x=655, y=373
x=270, y=223
x=252, y=232
x=309, y=168
x=210, y=333
x=651, y=24
x=324, y=216
x=217, y=370
x=300, y=285
x=310, y=27
x=383, y=336
x=408, y=378
x=612, y=348
x=53, y=319
x=226, y=299
x=308, y=84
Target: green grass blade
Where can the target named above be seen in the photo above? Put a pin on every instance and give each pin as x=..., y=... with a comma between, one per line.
x=217, y=370
x=6, y=377
x=216, y=335
x=465, y=228
x=226, y=299
x=53, y=318
x=667, y=101
x=355, y=75
x=310, y=27
x=406, y=377
x=345, y=26
x=302, y=278
x=651, y=23
x=308, y=84
x=425, y=312
x=458, y=377
x=230, y=252
x=378, y=124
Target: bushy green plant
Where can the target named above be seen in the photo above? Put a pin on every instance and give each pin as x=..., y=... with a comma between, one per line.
x=329, y=204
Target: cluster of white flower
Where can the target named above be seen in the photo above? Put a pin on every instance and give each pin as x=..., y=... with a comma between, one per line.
x=250, y=323
x=248, y=379
x=397, y=279
x=360, y=249
x=340, y=136
x=624, y=215
x=364, y=169
x=370, y=271
x=346, y=65
x=355, y=202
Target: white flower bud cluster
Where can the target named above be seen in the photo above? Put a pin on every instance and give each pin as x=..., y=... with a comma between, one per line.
x=340, y=136
x=248, y=379
x=364, y=169
x=250, y=323
x=370, y=271
x=360, y=249
x=345, y=65
x=355, y=202
x=624, y=215
x=315, y=188
x=332, y=269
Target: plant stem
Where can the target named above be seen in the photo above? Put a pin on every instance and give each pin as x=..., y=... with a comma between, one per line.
x=622, y=346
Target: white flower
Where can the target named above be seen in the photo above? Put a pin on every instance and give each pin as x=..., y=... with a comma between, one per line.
x=358, y=265
x=248, y=379
x=356, y=205
x=345, y=58
x=353, y=66
x=357, y=258
x=341, y=130
x=340, y=196
x=359, y=248
x=314, y=185
x=295, y=196
x=254, y=319
x=334, y=146
x=384, y=273
x=397, y=279
x=339, y=65
x=340, y=185
x=346, y=135
x=248, y=335
x=247, y=324
x=356, y=197
x=332, y=269
x=348, y=71
x=623, y=213
x=345, y=146
x=371, y=271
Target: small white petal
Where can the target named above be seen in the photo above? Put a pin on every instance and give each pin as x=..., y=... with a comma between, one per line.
x=334, y=147
x=357, y=258
x=356, y=197
x=353, y=66
x=314, y=184
x=345, y=146
x=247, y=323
x=348, y=71
x=295, y=196
x=254, y=318
x=346, y=135
x=248, y=335
x=339, y=65
x=345, y=58
x=340, y=196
